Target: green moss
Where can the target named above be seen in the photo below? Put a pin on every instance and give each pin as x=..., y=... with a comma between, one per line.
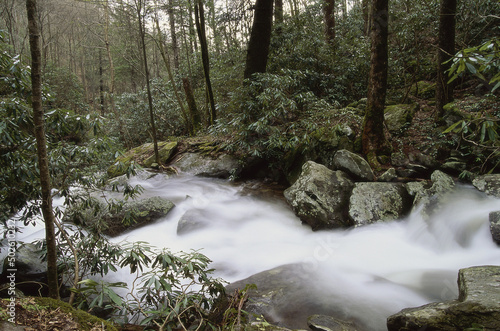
x=84, y=319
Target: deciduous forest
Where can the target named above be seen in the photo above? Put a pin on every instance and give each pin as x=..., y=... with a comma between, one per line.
x=273, y=82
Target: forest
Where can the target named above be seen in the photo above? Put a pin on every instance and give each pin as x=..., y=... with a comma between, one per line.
x=272, y=82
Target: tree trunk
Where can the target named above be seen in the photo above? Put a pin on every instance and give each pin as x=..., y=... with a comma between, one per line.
x=139, y=4
x=329, y=14
x=200, y=27
x=260, y=38
x=446, y=49
x=41, y=143
x=194, y=114
x=173, y=35
x=366, y=16
x=373, y=139
x=278, y=11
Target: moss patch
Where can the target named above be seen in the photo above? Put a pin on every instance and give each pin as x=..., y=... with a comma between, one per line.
x=51, y=315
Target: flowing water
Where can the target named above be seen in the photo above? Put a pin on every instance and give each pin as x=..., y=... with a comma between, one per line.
x=368, y=273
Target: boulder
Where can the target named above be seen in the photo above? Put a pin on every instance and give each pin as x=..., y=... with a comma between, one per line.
x=478, y=305
x=423, y=89
x=430, y=199
x=377, y=201
x=489, y=184
x=97, y=216
x=388, y=176
x=399, y=117
x=198, y=164
x=353, y=164
x=192, y=220
x=329, y=323
x=320, y=196
x=31, y=270
x=142, y=155
x=495, y=226
x=284, y=296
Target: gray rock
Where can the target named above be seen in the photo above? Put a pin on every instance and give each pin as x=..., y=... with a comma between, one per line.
x=285, y=296
x=224, y=166
x=399, y=117
x=489, y=184
x=373, y=202
x=478, y=303
x=353, y=164
x=328, y=323
x=431, y=199
x=112, y=222
x=388, y=176
x=320, y=196
x=192, y=220
x=495, y=226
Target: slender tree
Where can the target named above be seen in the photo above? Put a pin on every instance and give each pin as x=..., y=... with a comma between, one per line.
x=373, y=138
x=260, y=38
x=140, y=6
x=173, y=34
x=329, y=14
x=446, y=49
x=200, y=28
x=41, y=143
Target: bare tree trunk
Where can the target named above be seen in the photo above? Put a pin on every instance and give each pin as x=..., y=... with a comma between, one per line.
x=278, y=11
x=139, y=7
x=329, y=14
x=173, y=35
x=373, y=138
x=41, y=143
x=260, y=38
x=446, y=45
x=200, y=27
x=194, y=114
x=366, y=16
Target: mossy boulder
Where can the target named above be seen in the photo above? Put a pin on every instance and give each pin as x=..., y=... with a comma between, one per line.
x=142, y=155
x=128, y=215
x=399, y=117
x=424, y=90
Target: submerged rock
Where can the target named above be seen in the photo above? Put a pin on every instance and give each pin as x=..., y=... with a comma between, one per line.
x=329, y=323
x=430, y=199
x=320, y=196
x=478, y=304
x=373, y=202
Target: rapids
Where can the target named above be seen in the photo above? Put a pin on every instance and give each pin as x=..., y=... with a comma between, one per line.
x=368, y=272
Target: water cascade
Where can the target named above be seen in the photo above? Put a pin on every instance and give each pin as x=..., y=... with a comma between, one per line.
x=367, y=273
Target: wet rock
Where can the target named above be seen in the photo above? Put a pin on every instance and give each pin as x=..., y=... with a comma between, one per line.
x=353, y=165
x=373, y=202
x=495, y=226
x=198, y=164
x=328, y=323
x=430, y=199
x=284, y=296
x=97, y=216
x=192, y=220
x=478, y=304
x=320, y=196
x=489, y=184
x=31, y=270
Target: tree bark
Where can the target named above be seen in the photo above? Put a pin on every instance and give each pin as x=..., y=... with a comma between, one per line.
x=194, y=114
x=41, y=143
x=366, y=6
x=329, y=15
x=200, y=27
x=278, y=11
x=260, y=38
x=139, y=5
x=373, y=138
x=173, y=34
x=446, y=49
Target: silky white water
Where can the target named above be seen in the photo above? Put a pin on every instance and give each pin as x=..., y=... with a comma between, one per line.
x=366, y=273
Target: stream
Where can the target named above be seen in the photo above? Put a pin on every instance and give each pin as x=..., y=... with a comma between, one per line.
x=368, y=273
